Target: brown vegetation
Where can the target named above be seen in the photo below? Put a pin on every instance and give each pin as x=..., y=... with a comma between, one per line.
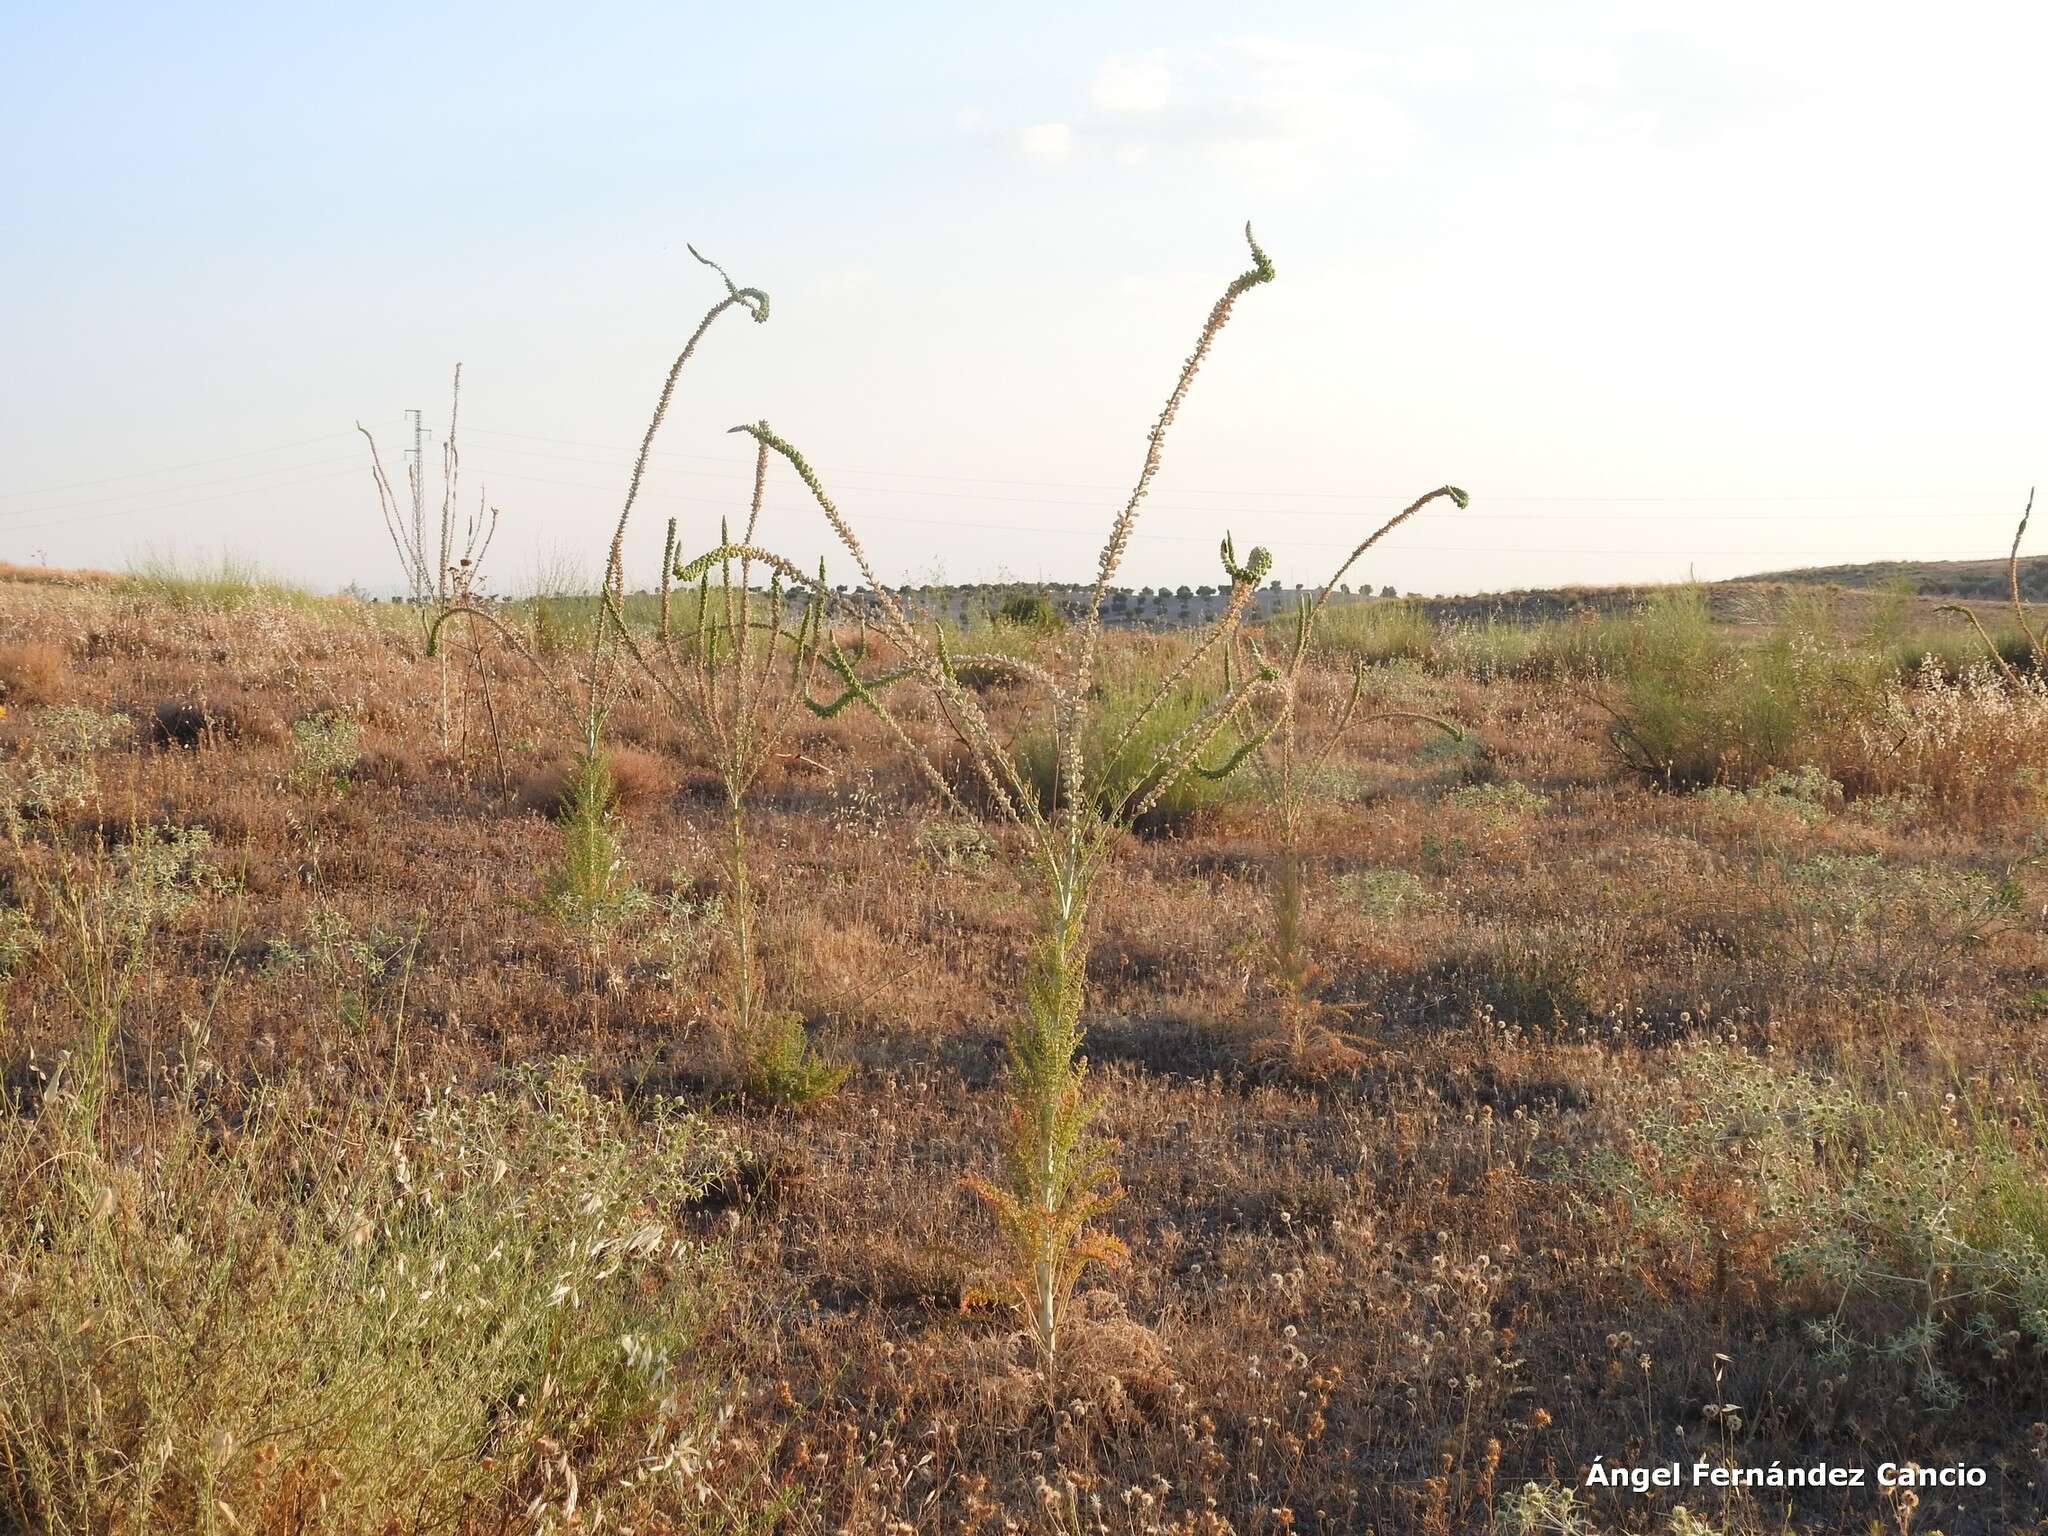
x=1602, y=1187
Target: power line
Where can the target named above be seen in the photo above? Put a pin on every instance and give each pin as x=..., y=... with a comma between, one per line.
x=1070, y=485
x=172, y=506
x=171, y=469
x=1250, y=512
x=1046, y=501
x=175, y=490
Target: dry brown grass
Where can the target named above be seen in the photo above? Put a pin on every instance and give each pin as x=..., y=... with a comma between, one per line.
x=1375, y=1302
x=55, y=576
x=640, y=779
x=32, y=672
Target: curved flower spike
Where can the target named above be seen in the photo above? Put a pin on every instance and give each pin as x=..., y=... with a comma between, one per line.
x=1252, y=572
x=752, y=299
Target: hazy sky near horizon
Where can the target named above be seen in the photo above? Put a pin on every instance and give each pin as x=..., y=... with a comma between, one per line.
x=1670, y=289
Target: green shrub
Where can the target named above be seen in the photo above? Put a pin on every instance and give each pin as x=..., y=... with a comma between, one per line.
x=1923, y=1227
x=782, y=1066
x=1031, y=610
x=1114, y=780
x=1692, y=706
x=1804, y=796
x=1859, y=921
x=476, y=1318
x=325, y=750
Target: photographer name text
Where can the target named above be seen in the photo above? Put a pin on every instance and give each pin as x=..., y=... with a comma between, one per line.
x=1705, y=1474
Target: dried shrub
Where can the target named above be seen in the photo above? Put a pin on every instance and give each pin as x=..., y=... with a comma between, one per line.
x=1969, y=742
x=227, y=717
x=639, y=778
x=636, y=780
x=393, y=766
x=32, y=672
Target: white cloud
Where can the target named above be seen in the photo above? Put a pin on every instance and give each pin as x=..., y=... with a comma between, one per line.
x=1127, y=87
x=1047, y=143
x=1285, y=110
x=1446, y=64
x=1265, y=109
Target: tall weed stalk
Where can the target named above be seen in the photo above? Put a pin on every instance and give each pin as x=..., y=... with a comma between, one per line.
x=1057, y=1177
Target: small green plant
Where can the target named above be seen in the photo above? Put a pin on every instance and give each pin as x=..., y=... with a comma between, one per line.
x=953, y=843
x=325, y=750
x=1501, y=807
x=685, y=933
x=782, y=1067
x=1385, y=894
x=58, y=774
x=590, y=889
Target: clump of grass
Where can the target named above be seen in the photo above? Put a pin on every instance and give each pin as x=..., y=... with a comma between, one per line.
x=1500, y=807
x=1377, y=630
x=1115, y=759
x=783, y=1067
x=224, y=585
x=31, y=672
x=323, y=1321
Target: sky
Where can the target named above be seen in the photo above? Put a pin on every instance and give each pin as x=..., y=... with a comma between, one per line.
x=1671, y=290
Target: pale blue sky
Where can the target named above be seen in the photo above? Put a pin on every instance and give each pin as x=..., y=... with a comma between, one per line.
x=1668, y=288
